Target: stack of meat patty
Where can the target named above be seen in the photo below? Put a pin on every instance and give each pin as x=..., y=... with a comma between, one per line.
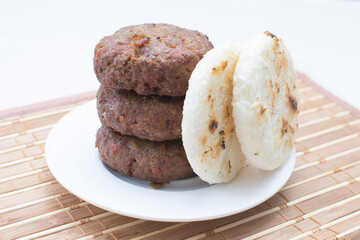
x=144, y=72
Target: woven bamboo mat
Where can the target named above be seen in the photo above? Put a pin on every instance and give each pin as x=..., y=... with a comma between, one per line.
x=320, y=201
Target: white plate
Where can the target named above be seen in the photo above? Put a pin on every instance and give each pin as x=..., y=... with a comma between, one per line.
x=74, y=161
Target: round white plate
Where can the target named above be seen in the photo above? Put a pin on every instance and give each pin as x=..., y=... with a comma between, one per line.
x=74, y=161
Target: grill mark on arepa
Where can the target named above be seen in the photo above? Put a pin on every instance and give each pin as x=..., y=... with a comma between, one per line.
x=213, y=126
x=262, y=110
x=284, y=128
x=209, y=96
x=270, y=35
x=214, y=150
x=272, y=91
x=222, y=143
x=277, y=87
x=222, y=139
x=203, y=140
x=280, y=61
x=292, y=129
x=204, y=154
x=220, y=68
x=270, y=83
x=227, y=112
x=293, y=103
x=212, y=100
x=215, y=154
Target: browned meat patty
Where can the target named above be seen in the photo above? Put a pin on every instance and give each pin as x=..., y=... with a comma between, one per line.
x=158, y=162
x=156, y=118
x=150, y=58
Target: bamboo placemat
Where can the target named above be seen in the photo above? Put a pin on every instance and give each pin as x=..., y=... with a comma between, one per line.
x=320, y=201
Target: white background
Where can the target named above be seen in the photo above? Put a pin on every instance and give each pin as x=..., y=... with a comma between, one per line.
x=46, y=47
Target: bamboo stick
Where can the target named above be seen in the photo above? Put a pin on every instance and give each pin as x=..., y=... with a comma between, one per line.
x=113, y=229
x=305, y=89
x=22, y=190
x=311, y=110
x=341, y=114
x=27, y=204
x=66, y=226
x=46, y=114
x=28, y=220
x=343, y=234
x=314, y=122
x=30, y=131
x=319, y=133
x=22, y=146
x=159, y=231
x=355, y=122
x=21, y=160
x=25, y=174
x=314, y=98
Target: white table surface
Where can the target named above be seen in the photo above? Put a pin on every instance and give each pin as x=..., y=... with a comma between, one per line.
x=46, y=47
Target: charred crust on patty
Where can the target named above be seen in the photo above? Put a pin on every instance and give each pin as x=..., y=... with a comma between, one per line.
x=139, y=41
